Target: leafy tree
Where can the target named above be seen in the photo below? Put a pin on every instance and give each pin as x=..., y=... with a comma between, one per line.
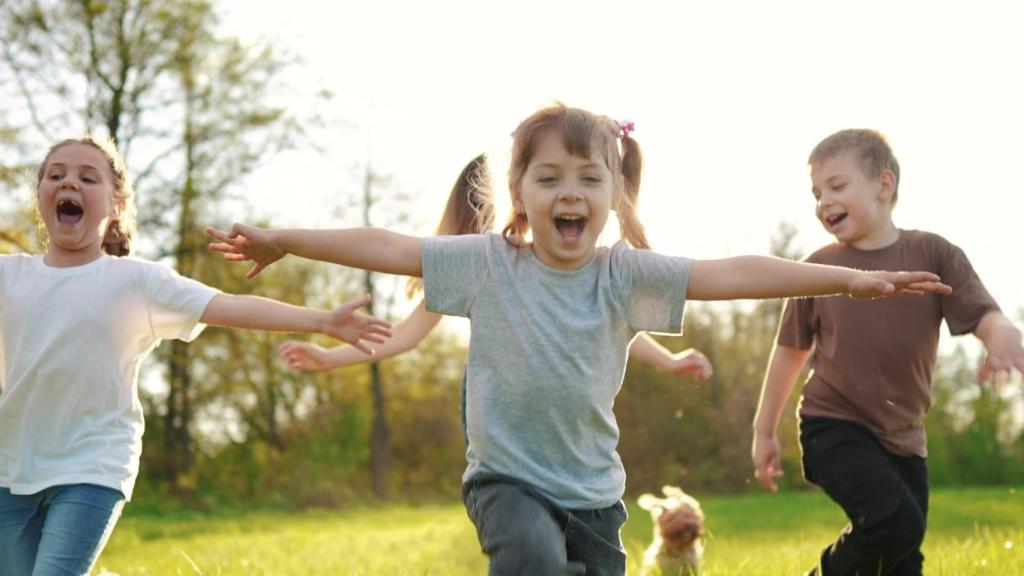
x=188, y=108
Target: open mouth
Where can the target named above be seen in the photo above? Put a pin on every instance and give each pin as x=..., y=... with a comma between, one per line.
x=69, y=212
x=570, y=226
x=834, y=220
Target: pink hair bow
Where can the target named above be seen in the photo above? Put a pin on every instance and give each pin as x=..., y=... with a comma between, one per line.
x=626, y=126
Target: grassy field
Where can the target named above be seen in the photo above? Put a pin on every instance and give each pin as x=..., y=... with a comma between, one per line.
x=976, y=531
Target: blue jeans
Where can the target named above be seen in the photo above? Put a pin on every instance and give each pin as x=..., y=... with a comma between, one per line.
x=524, y=533
x=57, y=532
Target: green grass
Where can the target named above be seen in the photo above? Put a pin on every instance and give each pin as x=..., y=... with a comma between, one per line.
x=972, y=531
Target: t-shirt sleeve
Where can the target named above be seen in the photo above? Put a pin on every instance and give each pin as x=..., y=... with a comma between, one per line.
x=796, y=329
x=970, y=300
x=454, y=269
x=175, y=303
x=654, y=288
x=797, y=326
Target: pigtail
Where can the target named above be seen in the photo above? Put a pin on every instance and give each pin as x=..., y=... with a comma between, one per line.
x=116, y=241
x=515, y=230
x=630, y=227
x=470, y=208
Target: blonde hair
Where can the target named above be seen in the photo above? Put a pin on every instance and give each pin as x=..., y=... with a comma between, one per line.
x=117, y=239
x=470, y=208
x=582, y=133
x=871, y=148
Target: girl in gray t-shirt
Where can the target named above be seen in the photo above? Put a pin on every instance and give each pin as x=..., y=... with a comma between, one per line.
x=551, y=318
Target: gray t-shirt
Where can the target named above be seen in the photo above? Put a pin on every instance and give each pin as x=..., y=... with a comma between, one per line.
x=547, y=355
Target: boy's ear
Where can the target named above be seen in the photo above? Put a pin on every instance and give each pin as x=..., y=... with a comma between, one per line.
x=888, y=186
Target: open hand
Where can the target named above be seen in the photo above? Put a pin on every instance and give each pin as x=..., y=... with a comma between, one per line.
x=878, y=283
x=304, y=356
x=355, y=328
x=246, y=243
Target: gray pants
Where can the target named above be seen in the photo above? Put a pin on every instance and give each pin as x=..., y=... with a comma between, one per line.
x=524, y=532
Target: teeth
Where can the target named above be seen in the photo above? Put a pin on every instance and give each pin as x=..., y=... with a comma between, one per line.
x=572, y=217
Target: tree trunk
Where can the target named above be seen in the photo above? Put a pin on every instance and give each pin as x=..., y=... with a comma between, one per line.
x=179, y=397
x=380, y=435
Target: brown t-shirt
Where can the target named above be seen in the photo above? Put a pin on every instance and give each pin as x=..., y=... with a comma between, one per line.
x=873, y=359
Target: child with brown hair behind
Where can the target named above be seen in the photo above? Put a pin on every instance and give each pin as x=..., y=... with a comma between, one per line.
x=862, y=408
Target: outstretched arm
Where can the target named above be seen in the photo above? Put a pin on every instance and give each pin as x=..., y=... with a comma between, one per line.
x=366, y=248
x=769, y=277
x=257, y=313
x=405, y=336
x=688, y=362
x=1003, y=350
x=783, y=370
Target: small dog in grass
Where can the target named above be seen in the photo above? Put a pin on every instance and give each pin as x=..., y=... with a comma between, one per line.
x=678, y=527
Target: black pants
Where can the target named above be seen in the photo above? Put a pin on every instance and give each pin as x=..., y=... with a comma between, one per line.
x=885, y=497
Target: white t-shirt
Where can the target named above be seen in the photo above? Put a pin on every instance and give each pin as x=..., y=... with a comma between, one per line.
x=71, y=342
x=547, y=354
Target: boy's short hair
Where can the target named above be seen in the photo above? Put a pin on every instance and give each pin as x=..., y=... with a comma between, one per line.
x=871, y=148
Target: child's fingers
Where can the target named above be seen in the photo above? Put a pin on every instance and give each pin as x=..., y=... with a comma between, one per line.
x=288, y=346
x=912, y=277
x=873, y=287
x=768, y=475
x=215, y=233
x=374, y=321
x=354, y=304
x=761, y=473
x=221, y=247
x=255, y=271
x=379, y=331
x=239, y=229
x=883, y=287
x=932, y=287
x=984, y=373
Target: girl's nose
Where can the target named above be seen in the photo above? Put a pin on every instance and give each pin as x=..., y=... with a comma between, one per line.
x=570, y=193
x=68, y=182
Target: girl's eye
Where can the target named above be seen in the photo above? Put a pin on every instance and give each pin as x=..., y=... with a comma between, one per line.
x=547, y=179
x=89, y=179
x=56, y=175
x=592, y=179
x=839, y=187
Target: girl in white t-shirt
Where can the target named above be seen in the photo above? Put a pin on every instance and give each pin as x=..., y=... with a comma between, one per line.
x=75, y=324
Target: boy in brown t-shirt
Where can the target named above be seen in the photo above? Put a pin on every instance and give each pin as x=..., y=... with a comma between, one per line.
x=862, y=408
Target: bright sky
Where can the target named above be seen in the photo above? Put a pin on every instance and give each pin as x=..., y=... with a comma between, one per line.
x=728, y=99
